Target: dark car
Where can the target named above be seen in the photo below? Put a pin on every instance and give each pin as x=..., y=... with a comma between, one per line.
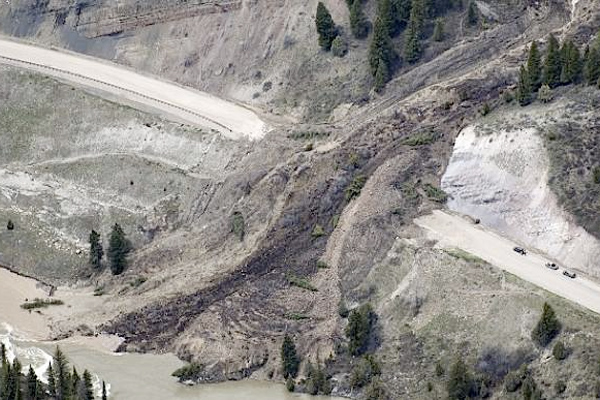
x=571, y=275
x=552, y=266
x=520, y=250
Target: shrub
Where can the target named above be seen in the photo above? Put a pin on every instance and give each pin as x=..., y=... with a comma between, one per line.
x=188, y=372
x=342, y=309
x=237, y=225
x=376, y=390
x=339, y=47
x=9, y=225
x=355, y=187
x=421, y=139
x=512, y=381
x=460, y=382
x=322, y=264
x=300, y=282
x=41, y=303
x=435, y=193
x=439, y=370
x=547, y=327
x=559, y=351
x=545, y=94
x=485, y=110
x=290, y=384
x=364, y=371
x=560, y=386
x=317, y=232
x=596, y=173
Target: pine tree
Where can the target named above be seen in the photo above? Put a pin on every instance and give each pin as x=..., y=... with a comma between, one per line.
x=438, y=30
x=87, y=392
x=96, y=250
x=381, y=77
x=51, y=381
x=460, y=381
x=552, y=64
x=412, y=46
x=34, y=388
x=325, y=27
x=104, y=394
x=418, y=11
x=524, y=88
x=534, y=66
x=75, y=381
x=119, y=248
x=592, y=65
x=381, y=49
x=571, y=63
x=16, y=377
x=358, y=330
x=547, y=327
x=289, y=358
x=359, y=25
x=472, y=14
x=63, y=377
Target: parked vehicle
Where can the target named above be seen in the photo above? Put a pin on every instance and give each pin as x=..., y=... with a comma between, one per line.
x=552, y=266
x=571, y=275
x=520, y=250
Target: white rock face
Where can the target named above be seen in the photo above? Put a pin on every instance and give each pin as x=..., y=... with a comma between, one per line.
x=501, y=178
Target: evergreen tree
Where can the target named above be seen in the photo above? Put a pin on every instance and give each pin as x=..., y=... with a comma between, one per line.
x=381, y=49
x=104, y=395
x=438, y=30
x=547, y=327
x=16, y=377
x=87, y=387
x=34, y=388
x=75, y=381
x=592, y=65
x=472, y=14
x=325, y=27
x=358, y=330
x=51, y=381
x=552, y=64
x=359, y=25
x=418, y=11
x=119, y=248
x=571, y=63
x=289, y=358
x=381, y=77
x=401, y=10
x=412, y=45
x=460, y=381
x=524, y=88
x=534, y=66
x=96, y=250
x=63, y=377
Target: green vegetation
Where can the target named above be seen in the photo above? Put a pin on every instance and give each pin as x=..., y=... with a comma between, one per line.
x=308, y=135
x=317, y=232
x=472, y=14
x=189, y=372
x=552, y=64
x=534, y=66
x=41, y=303
x=300, y=282
x=376, y=390
x=359, y=329
x=559, y=351
x=325, y=27
x=596, y=175
x=322, y=264
x=290, y=385
x=547, y=327
x=343, y=309
x=572, y=67
x=294, y=316
x=317, y=382
x=237, y=225
x=463, y=255
x=421, y=139
x=524, y=87
x=381, y=53
x=290, y=361
x=460, y=381
x=339, y=47
x=359, y=25
x=545, y=94
x=96, y=251
x=355, y=187
x=435, y=193
x=138, y=281
x=364, y=371
x=119, y=248
x=99, y=291
x=438, y=30
x=9, y=225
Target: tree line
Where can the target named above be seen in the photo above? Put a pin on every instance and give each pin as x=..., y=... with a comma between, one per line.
x=561, y=65
x=64, y=383
x=119, y=248
x=393, y=18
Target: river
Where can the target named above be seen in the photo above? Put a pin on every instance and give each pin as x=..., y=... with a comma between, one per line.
x=129, y=376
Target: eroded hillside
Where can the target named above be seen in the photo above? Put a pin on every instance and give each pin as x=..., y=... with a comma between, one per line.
x=326, y=210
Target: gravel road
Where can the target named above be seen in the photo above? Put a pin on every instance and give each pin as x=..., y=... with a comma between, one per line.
x=172, y=100
x=454, y=231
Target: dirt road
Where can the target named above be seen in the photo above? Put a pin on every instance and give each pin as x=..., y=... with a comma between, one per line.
x=169, y=99
x=454, y=231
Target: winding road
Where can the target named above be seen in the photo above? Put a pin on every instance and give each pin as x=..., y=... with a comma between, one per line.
x=167, y=98
x=455, y=231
